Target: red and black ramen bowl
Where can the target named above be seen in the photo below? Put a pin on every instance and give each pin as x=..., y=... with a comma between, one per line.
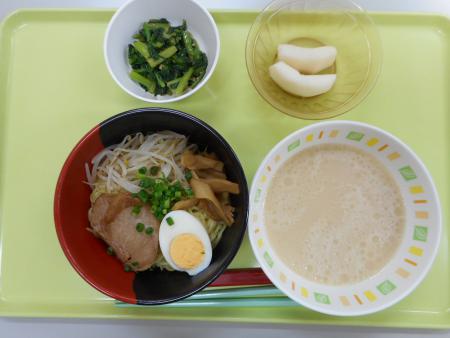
x=88, y=255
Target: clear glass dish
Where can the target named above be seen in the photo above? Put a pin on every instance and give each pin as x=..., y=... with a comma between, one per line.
x=313, y=23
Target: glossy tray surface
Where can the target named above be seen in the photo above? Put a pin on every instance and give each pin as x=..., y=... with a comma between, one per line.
x=54, y=87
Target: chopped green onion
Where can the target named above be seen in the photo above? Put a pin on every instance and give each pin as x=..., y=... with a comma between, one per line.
x=149, y=231
x=188, y=175
x=127, y=268
x=160, y=193
x=110, y=251
x=140, y=227
x=170, y=221
x=136, y=210
x=143, y=196
x=146, y=182
x=154, y=170
x=166, y=204
x=135, y=264
x=142, y=170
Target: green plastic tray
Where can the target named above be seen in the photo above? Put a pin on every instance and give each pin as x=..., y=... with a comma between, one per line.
x=54, y=87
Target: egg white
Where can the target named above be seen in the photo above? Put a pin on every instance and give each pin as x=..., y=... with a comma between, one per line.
x=184, y=223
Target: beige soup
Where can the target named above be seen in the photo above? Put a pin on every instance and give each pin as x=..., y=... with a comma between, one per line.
x=334, y=214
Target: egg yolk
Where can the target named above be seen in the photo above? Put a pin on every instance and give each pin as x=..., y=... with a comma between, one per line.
x=187, y=251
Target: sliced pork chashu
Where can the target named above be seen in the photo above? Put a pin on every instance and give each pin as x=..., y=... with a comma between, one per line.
x=112, y=220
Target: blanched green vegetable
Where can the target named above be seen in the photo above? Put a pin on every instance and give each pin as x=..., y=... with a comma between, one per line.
x=166, y=60
x=143, y=81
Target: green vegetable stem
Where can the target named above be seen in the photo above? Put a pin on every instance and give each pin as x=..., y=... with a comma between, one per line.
x=165, y=59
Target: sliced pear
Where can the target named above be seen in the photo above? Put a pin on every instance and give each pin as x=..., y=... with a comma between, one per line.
x=290, y=80
x=307, y=60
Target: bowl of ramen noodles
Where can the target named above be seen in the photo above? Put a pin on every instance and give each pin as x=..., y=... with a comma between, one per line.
x=151, y=206
x=344, y=218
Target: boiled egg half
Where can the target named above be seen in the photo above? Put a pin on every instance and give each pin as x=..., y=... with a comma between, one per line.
x=184, y=242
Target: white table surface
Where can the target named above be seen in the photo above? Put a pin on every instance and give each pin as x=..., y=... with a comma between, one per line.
x=68, y=328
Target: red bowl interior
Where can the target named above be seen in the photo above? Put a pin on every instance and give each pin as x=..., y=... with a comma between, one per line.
x=85, y=252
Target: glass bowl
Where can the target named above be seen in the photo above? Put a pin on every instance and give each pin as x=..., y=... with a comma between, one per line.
x=314, y=23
